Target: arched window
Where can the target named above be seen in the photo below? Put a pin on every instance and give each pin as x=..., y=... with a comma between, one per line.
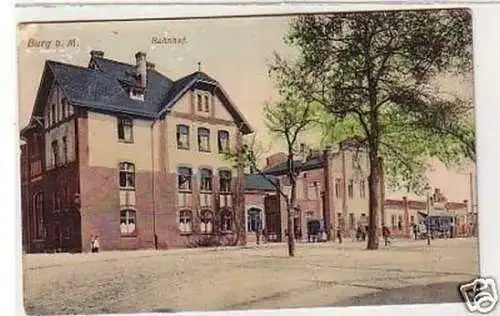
x=254, y=220
x=226, y=220
x=127, y=175
x=185, y=221
x=127, y=222
x=206, y=180
x=182, y=137
x=203, y=139
x=206, y=221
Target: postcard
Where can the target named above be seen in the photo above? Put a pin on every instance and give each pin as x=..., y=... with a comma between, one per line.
x=244, y=163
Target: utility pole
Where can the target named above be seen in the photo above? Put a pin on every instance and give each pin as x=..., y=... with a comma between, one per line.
x=428, y=219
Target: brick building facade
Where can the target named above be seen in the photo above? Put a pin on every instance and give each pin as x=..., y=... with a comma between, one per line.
x=123, y=152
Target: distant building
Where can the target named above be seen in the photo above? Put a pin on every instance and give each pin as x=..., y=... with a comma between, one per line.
x=332, y=187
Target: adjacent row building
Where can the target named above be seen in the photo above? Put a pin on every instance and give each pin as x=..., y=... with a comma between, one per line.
x=122, y=152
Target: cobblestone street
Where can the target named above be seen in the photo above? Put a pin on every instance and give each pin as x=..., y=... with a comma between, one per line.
x=261, y=277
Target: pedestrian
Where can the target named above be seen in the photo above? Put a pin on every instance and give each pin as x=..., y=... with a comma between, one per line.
x=415, y=231
x=358, y=233
x=258, y=232
x=95, y=244
x=339, y=235
x=386, y=233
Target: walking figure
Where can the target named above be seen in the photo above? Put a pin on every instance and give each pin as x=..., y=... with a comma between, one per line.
x=95, y=244
x=258, y=231
x=339, y=235
x=415, y=231
x=386, y=233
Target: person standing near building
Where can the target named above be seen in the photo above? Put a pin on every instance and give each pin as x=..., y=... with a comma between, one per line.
x=339, y=234
x=386, y=233
x=258, y=231
x=95, y=244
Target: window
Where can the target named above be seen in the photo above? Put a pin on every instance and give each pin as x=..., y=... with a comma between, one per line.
x=125, y=126
x=64, y=103
x=57, y=202
x=206, y=180
x=182, y=137
x=400, y=222
x=206, y=222
x=185, y=221
x=65, y=149
x=54, y=114
x=55, y=153
x=223, y=140
x=207, y=104
x=338, y=187
x=127, y=175
x=350, y=189
x=393, y=221
x=184, y=175
x=225, y=181
x=137, y=94
x=226, y=221
x=203, y=139
x=38, y=214
x=362, y=189
x=199, y=102
x=352, y=221
x=254, y=220
x=127, y=222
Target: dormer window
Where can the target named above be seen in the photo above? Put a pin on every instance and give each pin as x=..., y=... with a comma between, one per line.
x=137, y=94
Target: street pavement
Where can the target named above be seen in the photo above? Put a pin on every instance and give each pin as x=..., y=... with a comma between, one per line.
x=251, y=277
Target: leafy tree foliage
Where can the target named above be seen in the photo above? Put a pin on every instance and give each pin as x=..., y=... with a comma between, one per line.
x=373, y=72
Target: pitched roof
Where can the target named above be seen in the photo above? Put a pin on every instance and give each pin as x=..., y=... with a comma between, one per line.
x=282, y=168
x=259, y=182
x=104, y=88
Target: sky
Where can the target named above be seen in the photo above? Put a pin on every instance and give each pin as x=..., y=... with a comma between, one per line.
x=234, y=51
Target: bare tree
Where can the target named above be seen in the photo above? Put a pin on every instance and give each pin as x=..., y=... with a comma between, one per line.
x=287, y=120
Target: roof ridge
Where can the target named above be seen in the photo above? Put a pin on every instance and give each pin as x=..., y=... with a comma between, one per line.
x=50, y=61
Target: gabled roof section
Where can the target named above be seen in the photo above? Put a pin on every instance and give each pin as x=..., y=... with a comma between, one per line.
x=183, y=85
x=105, y=88
x=258, y=182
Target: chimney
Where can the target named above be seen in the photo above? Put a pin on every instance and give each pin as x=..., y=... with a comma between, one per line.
x=150, y=66
x=141, y=70
x=96, y=53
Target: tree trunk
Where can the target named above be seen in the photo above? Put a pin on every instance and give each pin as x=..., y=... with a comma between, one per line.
x=291, y=203
x=291, y=230
x=374, y=200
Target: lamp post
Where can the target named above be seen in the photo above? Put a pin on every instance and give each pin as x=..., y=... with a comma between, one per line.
x=428, y=206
